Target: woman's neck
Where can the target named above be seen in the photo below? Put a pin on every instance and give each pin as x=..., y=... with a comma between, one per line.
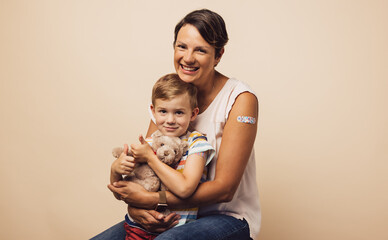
x=206, y=88
x=209, y=90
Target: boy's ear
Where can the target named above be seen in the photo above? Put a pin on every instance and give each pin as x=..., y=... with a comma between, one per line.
x=152, y=109
x=194, y=114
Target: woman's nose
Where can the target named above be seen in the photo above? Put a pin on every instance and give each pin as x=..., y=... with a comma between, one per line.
x=189, y=57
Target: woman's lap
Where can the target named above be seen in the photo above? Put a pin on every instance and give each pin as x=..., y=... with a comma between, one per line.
x=116, y=232
x=213, y=227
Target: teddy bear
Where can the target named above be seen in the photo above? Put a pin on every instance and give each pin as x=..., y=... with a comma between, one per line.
x=168, y=149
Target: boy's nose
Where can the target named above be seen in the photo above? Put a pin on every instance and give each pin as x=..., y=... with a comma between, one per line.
x=170, y=118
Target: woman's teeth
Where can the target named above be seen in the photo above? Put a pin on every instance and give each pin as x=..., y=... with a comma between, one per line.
x=189, y=68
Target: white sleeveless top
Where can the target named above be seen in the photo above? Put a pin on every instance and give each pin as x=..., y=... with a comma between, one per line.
x=245, y=203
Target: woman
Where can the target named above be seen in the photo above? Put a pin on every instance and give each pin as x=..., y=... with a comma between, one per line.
x=228, y=201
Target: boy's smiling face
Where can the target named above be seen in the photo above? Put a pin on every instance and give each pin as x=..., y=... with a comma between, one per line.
x=174, y=116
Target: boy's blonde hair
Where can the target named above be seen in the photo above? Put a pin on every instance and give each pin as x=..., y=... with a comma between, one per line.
x=170, y=86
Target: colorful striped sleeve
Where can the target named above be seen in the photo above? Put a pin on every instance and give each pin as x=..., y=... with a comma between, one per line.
x=198, y=144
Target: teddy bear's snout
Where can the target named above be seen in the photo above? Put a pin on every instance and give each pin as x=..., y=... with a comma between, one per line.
x=167, y=152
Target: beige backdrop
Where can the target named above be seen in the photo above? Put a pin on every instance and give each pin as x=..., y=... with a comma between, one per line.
x=75, y=81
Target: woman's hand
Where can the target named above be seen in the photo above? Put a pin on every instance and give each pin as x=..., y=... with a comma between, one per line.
x=142, y=152
x=153, y=221
x=134, y=194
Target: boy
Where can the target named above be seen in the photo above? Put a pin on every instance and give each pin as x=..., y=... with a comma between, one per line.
x=174, y=106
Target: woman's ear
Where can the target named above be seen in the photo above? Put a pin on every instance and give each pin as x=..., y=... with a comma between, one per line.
x=194, y=114
x=218, y=58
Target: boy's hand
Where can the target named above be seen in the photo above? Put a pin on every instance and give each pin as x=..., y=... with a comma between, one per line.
x=125, y=164
x=143, y=151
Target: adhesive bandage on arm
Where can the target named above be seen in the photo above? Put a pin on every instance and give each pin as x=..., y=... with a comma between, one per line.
x=246, y=119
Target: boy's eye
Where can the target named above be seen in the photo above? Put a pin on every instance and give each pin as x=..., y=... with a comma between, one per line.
x=179, y=112
x=162, y=111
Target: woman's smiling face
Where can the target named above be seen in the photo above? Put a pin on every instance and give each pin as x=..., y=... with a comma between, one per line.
x=194, y=58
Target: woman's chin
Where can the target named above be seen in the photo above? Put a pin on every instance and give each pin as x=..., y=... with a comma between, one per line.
x=186, y=77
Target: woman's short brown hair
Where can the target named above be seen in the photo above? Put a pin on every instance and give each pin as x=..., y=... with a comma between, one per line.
x=210, y=25
x=170, y=86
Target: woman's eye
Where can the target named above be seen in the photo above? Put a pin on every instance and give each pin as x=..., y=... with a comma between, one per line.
x=162, y=144
x=201, y=51
x=181, y=46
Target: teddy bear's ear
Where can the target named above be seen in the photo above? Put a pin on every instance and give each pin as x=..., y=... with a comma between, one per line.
x=184, y=146
x=117, y=151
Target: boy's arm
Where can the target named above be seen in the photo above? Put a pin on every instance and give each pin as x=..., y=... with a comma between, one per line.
x=121, y=166
x=115, y=177
x=184, y=183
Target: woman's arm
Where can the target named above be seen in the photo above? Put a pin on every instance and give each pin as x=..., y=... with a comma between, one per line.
x=237, y=143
